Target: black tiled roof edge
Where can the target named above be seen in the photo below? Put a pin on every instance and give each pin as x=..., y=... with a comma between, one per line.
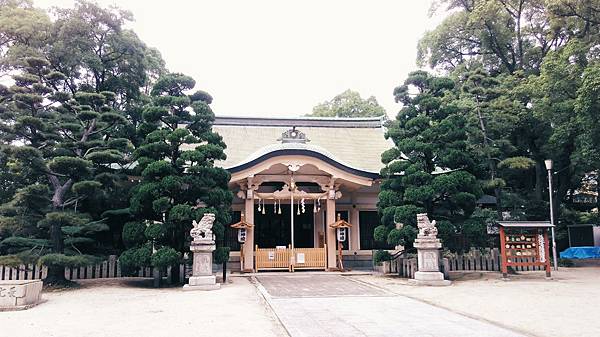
x=328, y=122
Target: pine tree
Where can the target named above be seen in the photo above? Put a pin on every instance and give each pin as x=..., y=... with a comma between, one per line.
x=430, y=169
x=179, y=179
x=65, y=141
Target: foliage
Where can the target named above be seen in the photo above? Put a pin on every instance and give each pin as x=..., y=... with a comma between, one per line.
x=61, y=260
x=380, y=256
x=176, y=160
x=65, y=123
x=349, y=104
x=221, y=255
x=429, y=170
x=134, y=258
x=164, y=257
x=525, y=79
x=133, y=233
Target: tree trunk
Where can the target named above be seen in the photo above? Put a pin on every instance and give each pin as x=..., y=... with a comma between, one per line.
x=490, y=160
x=56, y=274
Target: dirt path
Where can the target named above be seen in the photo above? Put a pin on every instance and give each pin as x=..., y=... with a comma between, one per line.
x=567, y=305
x=118, y=308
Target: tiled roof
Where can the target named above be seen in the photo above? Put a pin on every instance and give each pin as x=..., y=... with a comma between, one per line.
x=356, y=142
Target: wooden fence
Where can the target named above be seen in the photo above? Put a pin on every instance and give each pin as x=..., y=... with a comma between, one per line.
x=314, y=258
x=272, y=258
x=106, y=269
x=475, y=260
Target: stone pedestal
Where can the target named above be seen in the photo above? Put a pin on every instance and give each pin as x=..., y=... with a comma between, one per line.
x=428, y=259
x=20, y=295
x=202, y=246
x=202, y=276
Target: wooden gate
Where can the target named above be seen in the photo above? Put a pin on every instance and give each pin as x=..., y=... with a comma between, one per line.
x=290, y=259
x=272, y=258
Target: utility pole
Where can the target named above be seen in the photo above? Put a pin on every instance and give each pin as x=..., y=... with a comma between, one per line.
x=548, y=163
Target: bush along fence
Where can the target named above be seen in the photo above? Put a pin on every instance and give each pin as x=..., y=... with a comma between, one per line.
x=106, y=269
x=475, y=260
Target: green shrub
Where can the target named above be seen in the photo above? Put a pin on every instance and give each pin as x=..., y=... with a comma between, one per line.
x=155, y=231
x=62, y=260
x=380, y=233
x=380, y=256
x=164, y=257
x=132, y=259
x=10, y=260
x=566, y=262
x=133, y=234
x=221, y=255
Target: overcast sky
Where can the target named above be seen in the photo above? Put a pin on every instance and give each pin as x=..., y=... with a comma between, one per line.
x=278, y=57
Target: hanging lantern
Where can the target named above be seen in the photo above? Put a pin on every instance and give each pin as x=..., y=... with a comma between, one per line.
x=279, y=211
x=259, y=204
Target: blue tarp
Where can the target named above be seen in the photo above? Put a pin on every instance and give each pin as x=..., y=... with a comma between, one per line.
x=581, y=253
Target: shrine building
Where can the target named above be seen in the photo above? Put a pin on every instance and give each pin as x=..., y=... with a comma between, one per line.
x=293, y=178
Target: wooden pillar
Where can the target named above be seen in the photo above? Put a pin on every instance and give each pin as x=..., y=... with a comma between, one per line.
x=547, y=252
x=355, y=230
x=503, y=259
x=331, y=235
x=249, y=244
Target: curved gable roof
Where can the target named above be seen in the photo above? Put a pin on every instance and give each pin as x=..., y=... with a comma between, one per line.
x=353, y=143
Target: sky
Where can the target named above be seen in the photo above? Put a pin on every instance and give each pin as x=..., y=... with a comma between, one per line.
x=280, y=58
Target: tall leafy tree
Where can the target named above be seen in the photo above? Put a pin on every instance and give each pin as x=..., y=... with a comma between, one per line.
x=65, y=139
x=429, y=170
x=180, y=181
x=349, y=104
x=538, y=53
x=503, y=35
x=68, y=124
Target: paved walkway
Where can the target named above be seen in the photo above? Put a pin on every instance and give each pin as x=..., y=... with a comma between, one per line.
x=343, y=307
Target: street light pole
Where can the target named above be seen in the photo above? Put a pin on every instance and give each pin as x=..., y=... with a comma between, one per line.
x=548, y=163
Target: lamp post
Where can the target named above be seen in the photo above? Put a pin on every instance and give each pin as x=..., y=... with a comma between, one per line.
x=548, y=163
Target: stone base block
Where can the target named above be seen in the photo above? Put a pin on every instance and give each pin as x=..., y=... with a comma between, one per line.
x=208, y=282
x=429, y=278
x=202, y=280
x=215, y=286
x=430, y=283
x=19, y=295
x=429, y=275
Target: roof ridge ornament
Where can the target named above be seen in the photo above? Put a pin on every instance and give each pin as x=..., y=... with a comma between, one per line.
x=293, y=136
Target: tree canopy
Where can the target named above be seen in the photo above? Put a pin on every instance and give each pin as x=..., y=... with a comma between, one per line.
x=349, y=104
x=430, y=169
x=179, y=180
x=78, y=77
x=524, y=75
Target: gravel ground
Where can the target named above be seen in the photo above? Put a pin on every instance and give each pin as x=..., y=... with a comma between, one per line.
x=567, y=305
x=129, y=308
